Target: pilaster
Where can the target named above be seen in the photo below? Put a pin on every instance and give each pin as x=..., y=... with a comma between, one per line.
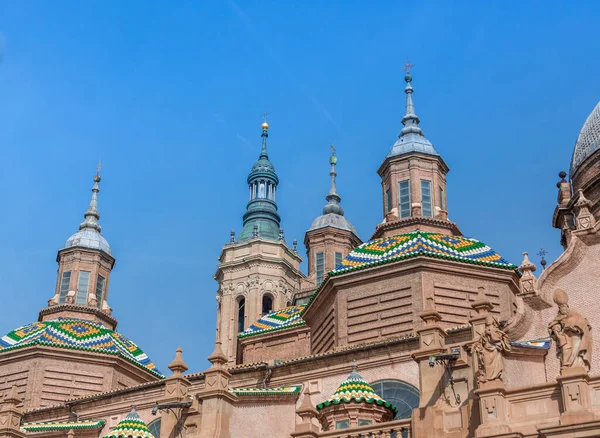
x=11, y=416
x=307, y=413
x=176, y=390
x=493, y=409
x=575, y=390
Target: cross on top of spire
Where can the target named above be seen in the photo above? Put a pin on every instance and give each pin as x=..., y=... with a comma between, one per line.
x=408, y=66
x=265, y=115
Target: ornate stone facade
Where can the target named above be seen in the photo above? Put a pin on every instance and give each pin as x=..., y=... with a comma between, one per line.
x=450, y=339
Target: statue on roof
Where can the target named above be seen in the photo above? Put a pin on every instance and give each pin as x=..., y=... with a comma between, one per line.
x=489, y=349
x=572, y=333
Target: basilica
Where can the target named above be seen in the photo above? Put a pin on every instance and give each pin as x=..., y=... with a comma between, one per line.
x=417, y=331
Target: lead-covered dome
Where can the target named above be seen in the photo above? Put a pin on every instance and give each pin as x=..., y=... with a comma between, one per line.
x=588, y=141
x=88, y=239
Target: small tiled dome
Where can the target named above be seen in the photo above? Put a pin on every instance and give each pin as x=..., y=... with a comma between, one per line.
x=131, y=426
x=588, y=141
x=355, y=390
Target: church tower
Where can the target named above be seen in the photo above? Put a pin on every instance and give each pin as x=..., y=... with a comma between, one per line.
x=258, y=272
x=331, y=236
x=84, y=267
x=413, y=180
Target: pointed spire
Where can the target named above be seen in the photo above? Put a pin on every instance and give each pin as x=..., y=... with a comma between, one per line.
x=333, y=199
x=265, y=135
x=178, y=366
x=410, y=120
x=91, y=215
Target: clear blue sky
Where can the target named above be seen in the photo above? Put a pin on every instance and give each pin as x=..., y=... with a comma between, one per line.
x=169, y=96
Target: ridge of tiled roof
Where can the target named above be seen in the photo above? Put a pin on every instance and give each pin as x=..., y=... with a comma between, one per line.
x=281, y=390
x=281, y=319
x=78, y=334
x=46, y=426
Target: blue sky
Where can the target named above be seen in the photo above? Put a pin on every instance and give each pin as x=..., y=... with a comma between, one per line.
x=170, y=97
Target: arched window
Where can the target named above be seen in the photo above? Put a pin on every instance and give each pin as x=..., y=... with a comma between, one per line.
x=267, y=304
x=401, y=394
x=241, y=314
x=261, y=190
x=155, y=428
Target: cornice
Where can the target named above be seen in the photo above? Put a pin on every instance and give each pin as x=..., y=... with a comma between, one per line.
x=416, y=220
x=81, y=309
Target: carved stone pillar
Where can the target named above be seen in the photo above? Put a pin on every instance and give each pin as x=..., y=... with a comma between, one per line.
x=11, y=416
x=176, y=390
x=216, y=400
x=574, y=385
x=493, y=409
x=307, y=413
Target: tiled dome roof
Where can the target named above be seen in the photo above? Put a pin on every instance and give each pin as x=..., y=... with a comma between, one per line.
x=421, y=243
x=588, y=140
x=131, y=426
x=355, y=390
x=77, y=334
x=279, y=319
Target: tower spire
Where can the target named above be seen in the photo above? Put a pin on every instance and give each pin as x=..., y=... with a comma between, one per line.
x=333, y=199
x=91, y=215
x=410, y=120
x=265, y=135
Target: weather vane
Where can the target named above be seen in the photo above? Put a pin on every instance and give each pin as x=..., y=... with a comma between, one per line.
x=265, y=115
x=332, y=149
x=98, y=167
x=408, y=66
x=542, y=252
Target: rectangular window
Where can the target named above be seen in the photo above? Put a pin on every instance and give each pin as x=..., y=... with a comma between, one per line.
x=320, y=267
x=442, y=198
x=426, y=198
x=64, y=286
x=388, y=200
x=404, y=190
x=342, y=424
x=82, y=287
x=100, y=290
x=338, y=258
x=364, y=422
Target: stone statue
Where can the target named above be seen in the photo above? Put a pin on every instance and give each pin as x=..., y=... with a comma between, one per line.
x=572, y=334
x=488, y=348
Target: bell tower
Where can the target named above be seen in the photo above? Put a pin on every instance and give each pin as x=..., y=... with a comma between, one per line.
x=84, y=267
x=413, y=180
x=258, y=272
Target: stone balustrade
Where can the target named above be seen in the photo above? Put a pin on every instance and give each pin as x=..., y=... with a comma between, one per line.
x=389, y=429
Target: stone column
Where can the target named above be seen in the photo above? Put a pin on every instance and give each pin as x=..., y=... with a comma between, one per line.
x=11, y=416
x=176, y=390
x=307, y=413
x=217, y=402
x=574, y=386
x=493, y=409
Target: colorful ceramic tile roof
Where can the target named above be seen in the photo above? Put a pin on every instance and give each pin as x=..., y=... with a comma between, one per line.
x=77, y=334
x=282, y=390
x=539, y=343
x=62, y=425
x=130, y=426
x=355, y=390
x=277, y=320
x=421, y=243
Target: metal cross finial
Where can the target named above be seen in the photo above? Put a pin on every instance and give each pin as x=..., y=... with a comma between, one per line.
x=265, y=115
x=332, y=149
x=542, y=252
x=98, y=167
x=408, y=66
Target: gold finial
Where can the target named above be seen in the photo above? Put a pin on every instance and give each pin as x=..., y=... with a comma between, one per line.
x=265, y=125
x=97, y=176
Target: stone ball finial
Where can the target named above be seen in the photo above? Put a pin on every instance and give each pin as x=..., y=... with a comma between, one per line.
x=560, y=297
x=562, y=174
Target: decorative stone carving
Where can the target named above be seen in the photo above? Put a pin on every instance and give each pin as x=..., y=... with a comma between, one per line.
x=92, y=301
x=528, y=280
x=585, y=219
x=489, y=349
x=572, y=333
x=54, y=300
x=70, y=298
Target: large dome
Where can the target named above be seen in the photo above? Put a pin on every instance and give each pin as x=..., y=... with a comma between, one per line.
x=77, y=334
x=588, y=140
